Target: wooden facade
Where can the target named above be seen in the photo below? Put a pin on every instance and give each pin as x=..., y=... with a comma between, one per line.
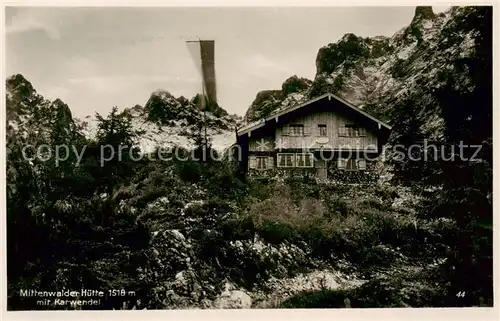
x=323, y=137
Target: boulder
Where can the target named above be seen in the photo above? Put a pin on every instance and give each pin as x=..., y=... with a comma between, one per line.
x=235, y=299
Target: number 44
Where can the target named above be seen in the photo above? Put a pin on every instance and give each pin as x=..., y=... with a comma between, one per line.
x=460, y=294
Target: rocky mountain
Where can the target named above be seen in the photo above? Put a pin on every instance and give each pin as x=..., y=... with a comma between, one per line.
x=30, y=115
x=32, y=122
x=164, y=120
x=169, y=121
x=293, y=91
x=375, y=73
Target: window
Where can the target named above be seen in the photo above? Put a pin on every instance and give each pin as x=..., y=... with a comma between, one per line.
x=304, y=160
x=296, y=130
x=286, y=160
x=261, y=162
x=351, y=164
x=295, y=160
x=322, y=130
x=361, y=164
x=351, y=130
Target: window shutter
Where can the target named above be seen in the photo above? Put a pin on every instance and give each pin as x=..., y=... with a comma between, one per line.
x=285, y=131
x=270, y=163
x=252, y=162
x=309, y=160
x=341, y=163
x=301, y=160
x=342, y=131
x=280, y=160
x=361, y=164
x=322, y=130
x=261, y=162
x=307, y=130
x=350, y=164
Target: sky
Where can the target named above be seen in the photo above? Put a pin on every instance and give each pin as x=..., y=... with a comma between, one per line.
x=95, y=58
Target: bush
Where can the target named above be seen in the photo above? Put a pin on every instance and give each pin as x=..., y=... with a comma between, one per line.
x=150, y=195
x=275, y=232
x=259, y=190
x=337, y=206
x=240, y=228
x=357, y=224
x=190, y=171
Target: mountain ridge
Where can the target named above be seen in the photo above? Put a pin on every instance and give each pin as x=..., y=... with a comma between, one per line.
x=376, y=73
x=164, y=120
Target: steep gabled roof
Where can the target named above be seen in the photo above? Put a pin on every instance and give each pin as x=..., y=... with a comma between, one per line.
x=261, y=122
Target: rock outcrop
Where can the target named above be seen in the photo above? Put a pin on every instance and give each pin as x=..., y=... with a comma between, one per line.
x=376, y=73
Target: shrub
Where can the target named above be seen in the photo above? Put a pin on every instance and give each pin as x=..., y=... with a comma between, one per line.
x=337, y=206
x=276, y=232
x=190, y=171
x=150, y=195
x=338, y=221
x=260, y=190
x=237, y=228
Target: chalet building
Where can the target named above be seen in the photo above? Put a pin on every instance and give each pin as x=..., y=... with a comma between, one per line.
x=326, y=137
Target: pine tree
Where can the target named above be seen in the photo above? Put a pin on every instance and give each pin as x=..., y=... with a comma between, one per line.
x=114, y=140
